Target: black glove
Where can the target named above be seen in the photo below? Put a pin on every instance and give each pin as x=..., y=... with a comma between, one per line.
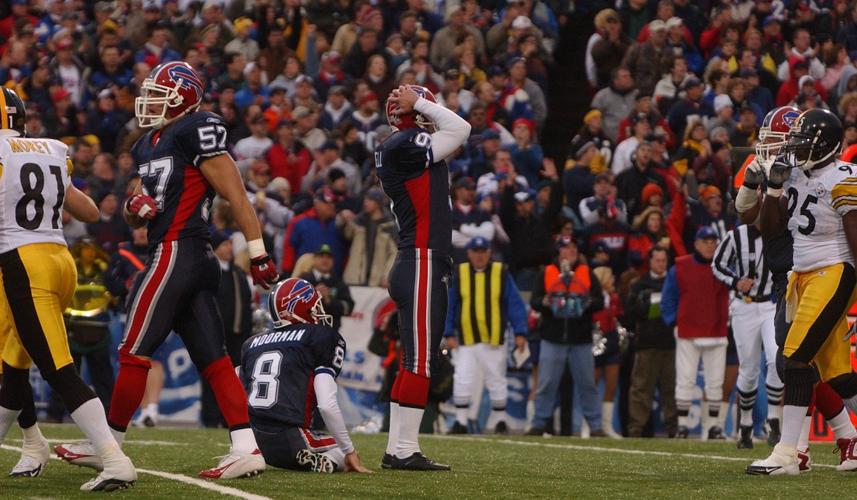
x=779, y=173
x=754, y=175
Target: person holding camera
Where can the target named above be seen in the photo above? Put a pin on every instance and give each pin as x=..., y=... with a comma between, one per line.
x=566, y=296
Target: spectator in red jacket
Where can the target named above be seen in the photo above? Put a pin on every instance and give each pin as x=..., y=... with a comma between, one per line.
x=288, y=157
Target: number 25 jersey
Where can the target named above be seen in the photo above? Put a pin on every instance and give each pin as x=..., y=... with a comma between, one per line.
x=817, y=201
x=34, y=174
x=168, y=162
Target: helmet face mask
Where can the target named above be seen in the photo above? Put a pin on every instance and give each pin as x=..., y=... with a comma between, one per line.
x=171, y=91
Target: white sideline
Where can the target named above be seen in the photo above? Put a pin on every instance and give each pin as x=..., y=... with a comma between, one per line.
x=223, y=490
x=609, y=450
x=139, y=442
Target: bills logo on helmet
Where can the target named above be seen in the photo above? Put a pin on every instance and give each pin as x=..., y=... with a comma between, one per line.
x=185, y=78
x=790, y=117
x=303, y=293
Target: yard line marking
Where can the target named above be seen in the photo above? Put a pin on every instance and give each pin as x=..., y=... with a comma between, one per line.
x=223, y=490
x=142, y=442
x=605, y=449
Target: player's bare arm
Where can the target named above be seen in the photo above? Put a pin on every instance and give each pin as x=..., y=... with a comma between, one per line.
x=80, y=206
x=221, y=172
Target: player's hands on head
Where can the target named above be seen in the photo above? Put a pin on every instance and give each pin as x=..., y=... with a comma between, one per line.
x=353, y=464
x=405, y=97
x=142, y=206
x=263, y=271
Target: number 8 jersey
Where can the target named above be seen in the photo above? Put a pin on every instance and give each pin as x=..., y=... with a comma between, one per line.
x=168, y=161
x=34, y=174
x=817, y=201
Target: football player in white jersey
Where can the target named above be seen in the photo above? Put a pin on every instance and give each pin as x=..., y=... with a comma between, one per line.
x=821, y=214
x=38, y=281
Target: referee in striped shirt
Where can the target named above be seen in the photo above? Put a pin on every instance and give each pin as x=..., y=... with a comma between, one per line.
x=739, y=262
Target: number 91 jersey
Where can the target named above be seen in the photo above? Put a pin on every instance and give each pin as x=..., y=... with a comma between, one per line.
x=34, y=174
x=817, y=201
x=168, y=162
x=278, y=369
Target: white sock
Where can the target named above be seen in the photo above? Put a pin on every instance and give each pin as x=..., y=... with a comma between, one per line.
x=393, y=435
x=842, y=426
x=409, y=431
x=119, y=436
x=775, y=412
x=803, y=440
x=243, y=440
x=461, y=414
x=494, y=418
x=32, y=435
x=793, y=420
x=7, y=419
x=91, y=419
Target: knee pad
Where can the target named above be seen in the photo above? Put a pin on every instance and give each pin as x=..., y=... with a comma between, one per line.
x=845, y=385
x=127, y=359
x=799, y=384
x=71, y=388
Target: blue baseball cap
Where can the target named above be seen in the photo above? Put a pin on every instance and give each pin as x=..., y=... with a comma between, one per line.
x=706, y=233
x=478, y=243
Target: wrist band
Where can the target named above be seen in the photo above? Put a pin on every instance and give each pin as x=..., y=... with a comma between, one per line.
x=256, y=248
x=776, y=192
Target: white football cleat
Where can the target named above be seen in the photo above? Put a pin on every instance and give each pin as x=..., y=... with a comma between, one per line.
x=782, y=462
x=235, y=465
x=82, y=454
x=118, y=474
x=804, y=460
x=34, y=459
x=847, y=459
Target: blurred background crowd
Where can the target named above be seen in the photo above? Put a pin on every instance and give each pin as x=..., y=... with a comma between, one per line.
x=601, y=130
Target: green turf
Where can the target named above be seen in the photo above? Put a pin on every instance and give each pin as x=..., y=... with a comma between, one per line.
x=482, y=468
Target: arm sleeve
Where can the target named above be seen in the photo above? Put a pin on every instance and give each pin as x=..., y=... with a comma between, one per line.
x=724, y=259
x=325, y=394
x=669, y=298
x=515, y=307
x=452, y=130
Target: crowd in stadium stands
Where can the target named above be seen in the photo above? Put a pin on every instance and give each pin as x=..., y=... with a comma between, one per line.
x=675, y=86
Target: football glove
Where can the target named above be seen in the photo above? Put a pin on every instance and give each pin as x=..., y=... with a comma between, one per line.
x=263, y=271
x=779, y=173
x=142, y=206
x=754, y=175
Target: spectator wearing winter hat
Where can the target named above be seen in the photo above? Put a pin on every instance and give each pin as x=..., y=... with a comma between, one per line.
x=367, y=118
x=578, y=178
x=810, y=94
x=527, y=155
x=643, y=105
x=242, y=43
x=518, y=79
x=372, y=234
x=648, y=60
x=603, y=191
x=691, y=108
x=592, y=130
x=630, y=183
x=708, y=212
x=746, y=131
x=305, y=94
x=616, y=101
x=608, y=52
x=468, y=221
x=306, y=128
x=724, y=114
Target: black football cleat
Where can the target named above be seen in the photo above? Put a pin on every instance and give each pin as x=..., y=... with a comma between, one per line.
x=682, y=432
x=536, y=431
x=501, y=428
x=715, y=432
x=387, y=461
x=774, y=432
x=418, y=461
x=745, y=441
x=457, y=428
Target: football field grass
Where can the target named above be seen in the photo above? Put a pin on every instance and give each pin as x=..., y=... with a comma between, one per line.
x=483, y=467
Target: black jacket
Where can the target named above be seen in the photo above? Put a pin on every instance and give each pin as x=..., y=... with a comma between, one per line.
x=340, y=304
x=234, y=300
x=650, y=330
x=530, y=238
x=567, y=331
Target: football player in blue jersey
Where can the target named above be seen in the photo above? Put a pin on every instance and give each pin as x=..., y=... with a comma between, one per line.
x=182, y=162
x=414, y=175
x=289, y=373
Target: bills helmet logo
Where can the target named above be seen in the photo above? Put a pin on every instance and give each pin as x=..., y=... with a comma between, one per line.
x=296, y=301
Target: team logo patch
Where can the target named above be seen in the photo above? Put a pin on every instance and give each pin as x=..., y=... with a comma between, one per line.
x=186, y=78
x=819, y=190
x=303, y=293
x=790, y=117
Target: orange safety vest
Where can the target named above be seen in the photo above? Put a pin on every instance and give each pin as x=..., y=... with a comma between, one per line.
x=580, y=283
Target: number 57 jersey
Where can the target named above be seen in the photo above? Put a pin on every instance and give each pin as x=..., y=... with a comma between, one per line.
x=34, y=174
x=168, y=162
x=817, y=201
x=278, y=369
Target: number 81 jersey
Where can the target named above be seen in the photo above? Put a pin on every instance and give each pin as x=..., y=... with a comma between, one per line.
x=168, y=161
x=817, y=201
x=34, y=174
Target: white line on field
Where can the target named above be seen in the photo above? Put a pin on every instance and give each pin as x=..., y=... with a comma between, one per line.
x=609, y=450
x=141, y=442
x=223, y=490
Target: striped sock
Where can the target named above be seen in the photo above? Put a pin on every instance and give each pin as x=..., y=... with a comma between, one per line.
x=746, y=402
